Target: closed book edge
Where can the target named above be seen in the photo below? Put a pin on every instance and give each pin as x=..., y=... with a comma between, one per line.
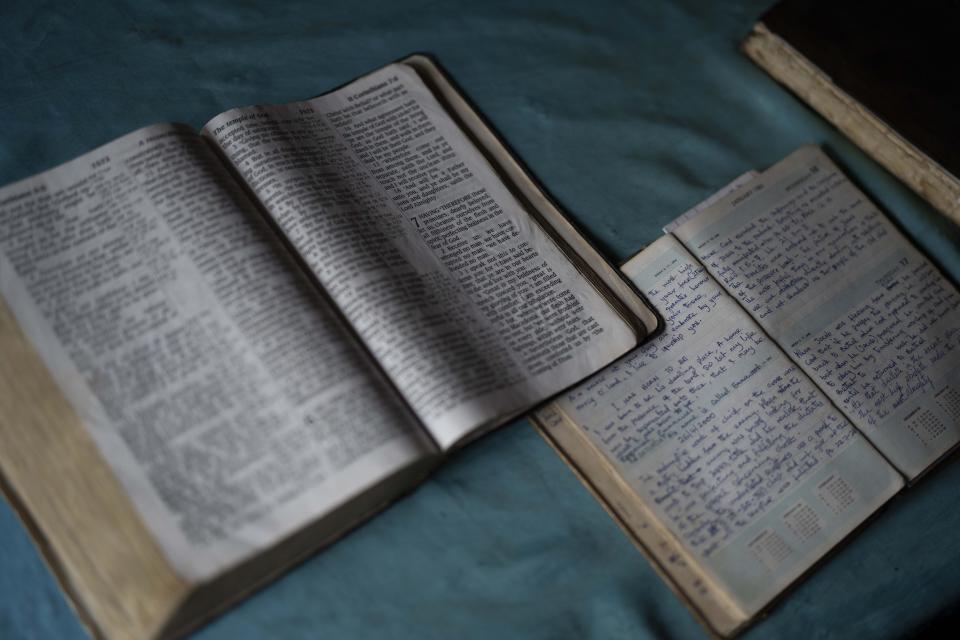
x=897, y=154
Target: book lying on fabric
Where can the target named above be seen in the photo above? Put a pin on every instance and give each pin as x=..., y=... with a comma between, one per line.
x=807, y=366
x=876, y=73
x=219, y=350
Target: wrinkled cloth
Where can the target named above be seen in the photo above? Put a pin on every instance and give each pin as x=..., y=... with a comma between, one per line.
x=629, y=113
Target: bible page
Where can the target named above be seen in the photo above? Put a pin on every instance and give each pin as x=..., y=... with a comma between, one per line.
x=471, y=309
x=866, y=315
x=231, y=403
x=734, y=450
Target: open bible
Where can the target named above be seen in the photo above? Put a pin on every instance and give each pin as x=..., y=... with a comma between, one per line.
x=807, y=366
x=222, y=349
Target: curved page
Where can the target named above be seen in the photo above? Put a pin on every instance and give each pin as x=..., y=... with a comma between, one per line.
x=231, y=404
x=471, y=309
x=725, y=440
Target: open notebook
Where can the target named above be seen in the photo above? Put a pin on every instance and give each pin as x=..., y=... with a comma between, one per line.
x=807, y=367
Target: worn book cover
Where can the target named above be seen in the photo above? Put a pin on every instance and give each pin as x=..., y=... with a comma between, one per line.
x=879, y=73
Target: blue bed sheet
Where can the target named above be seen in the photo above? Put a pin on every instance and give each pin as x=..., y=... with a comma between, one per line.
x=629, y=113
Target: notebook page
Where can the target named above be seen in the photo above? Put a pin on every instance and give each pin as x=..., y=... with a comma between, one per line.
x=863, y=312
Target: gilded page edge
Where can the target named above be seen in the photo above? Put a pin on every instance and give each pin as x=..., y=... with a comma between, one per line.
x=80, y=519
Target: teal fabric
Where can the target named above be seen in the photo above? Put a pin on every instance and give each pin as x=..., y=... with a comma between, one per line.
x=629, y=113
